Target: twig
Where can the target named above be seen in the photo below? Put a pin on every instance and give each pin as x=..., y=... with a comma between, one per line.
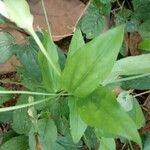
x=143, y=93
x=46, y=17
x=130, y=144
x=85, y=9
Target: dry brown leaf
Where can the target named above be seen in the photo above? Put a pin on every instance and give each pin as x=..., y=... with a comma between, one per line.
x=63, y=16
x=134, y=40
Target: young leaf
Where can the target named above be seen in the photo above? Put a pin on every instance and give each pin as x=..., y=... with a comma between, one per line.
x=6, y=46
x=107, y=144
x=145, y=45
x=77, y=126
x=50, y=78
x=76, y=42
x=101, y=110
x=86, y=69
x=133, y=65
x=16, y=143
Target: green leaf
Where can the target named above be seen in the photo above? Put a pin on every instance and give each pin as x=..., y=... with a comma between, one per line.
x=142, y=83
x=67, y=143
x=28, y=80
x=8, y=135
x=16, y=143
x=101, y=110
x=76, y=42
x=90, y=138
x=145, y=45
x=132, y=65
x=47, y=132
x=141, y=9
x=27, y=54
x=144, y=29
x=77, y=126
x=105, y=1
x=137, y=115
x=86, y=69
x=32, y=139
x=126, y=101
x=146, y=142
x=21, y=121
x=107, y=144
x=92, y=24
x=49, y=76
x=6, y=46
x=3, y=97
x=6, y=117
x=132, y=107
x=62, y=58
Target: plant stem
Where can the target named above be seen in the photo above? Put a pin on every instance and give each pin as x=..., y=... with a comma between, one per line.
x=46, y=18
x=35, y=93
x=126, y=79
x=24, y=105
x=146, y=92
x=39, y=43
x=27, y=92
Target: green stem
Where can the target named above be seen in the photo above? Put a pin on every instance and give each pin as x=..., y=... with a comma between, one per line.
x=126, y=79
x=36, y=38
x=27, y=92
x=24, y=105
x=35, y=93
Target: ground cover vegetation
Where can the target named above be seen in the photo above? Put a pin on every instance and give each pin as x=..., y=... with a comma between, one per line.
x=94, y=97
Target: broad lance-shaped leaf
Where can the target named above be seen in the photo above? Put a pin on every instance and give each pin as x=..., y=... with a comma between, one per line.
x=77, y=125
x=101, y=110
x=92, y=63
x=51, y=80
x=76, y=42
x=133, y=65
